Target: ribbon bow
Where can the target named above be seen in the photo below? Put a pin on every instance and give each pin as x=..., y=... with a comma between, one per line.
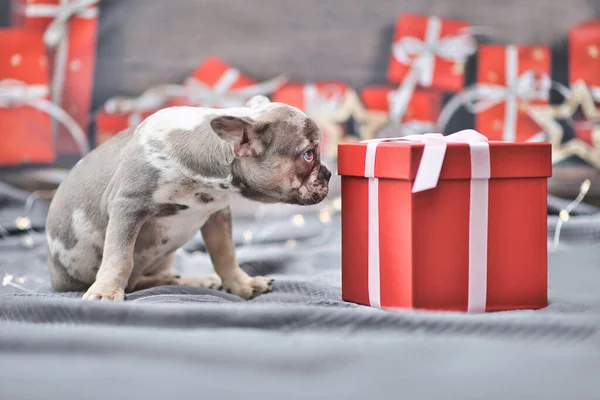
x=413, y=51
x=430, y=166
x=221, y=94
x=56, y=31
x=420, y=56
x=526, y=88
x=15, y=93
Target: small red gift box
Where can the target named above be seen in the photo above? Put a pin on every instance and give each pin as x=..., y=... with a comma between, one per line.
x=584, y=55
x=506, y=77
x=216, y=84
x=439, y=47
x=325, y=102
x=71, y=52
x=420, y=114
x=26, y=134
x=451, y=223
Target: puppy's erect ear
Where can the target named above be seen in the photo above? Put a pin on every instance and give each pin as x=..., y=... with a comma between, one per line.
x=242, y=132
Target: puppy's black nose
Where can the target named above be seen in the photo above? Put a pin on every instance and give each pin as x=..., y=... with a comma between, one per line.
x=324, y=173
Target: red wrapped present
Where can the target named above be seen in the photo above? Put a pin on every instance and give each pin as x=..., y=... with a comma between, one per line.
x=420, y=115
x=451, y=223
x=584, y=55
x=430, y=51
x=26, y=134
x=216, y=84
x=70, y=30
x=508, y=76
x=328, y=103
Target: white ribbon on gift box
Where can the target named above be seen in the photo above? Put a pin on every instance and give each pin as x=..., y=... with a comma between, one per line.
x=427, y=178
x=55, y=37
x=525, y=87
x=420, y=56
x=152, y=99
x=221, y=94
x=196, y=92
x=14, y=93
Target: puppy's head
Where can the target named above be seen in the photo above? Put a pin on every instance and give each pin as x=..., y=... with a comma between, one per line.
x=278, y=155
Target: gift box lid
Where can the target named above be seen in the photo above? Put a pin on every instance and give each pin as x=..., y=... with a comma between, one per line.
x=400, y=160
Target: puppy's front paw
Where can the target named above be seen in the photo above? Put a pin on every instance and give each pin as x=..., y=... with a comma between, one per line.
x=247, y=287
x=104, y=291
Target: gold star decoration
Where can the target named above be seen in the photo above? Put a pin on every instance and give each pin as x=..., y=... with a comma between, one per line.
x=557, y=121
x=593, y=51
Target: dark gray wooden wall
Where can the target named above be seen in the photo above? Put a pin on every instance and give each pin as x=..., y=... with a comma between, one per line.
x=147, y=42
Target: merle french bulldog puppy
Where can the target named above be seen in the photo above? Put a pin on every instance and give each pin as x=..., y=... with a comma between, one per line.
x=116, y=221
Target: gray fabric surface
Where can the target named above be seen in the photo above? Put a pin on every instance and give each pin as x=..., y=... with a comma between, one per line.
x=300, y=341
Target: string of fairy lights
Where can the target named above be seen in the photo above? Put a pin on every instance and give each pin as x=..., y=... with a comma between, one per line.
x=265, y=224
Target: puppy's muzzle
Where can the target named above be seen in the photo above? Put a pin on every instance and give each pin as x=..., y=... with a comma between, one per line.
x=324, y=173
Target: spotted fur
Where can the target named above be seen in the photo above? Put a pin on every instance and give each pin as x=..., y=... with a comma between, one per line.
x=116, y=221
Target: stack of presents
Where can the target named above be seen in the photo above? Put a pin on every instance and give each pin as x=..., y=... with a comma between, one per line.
x=452, y=221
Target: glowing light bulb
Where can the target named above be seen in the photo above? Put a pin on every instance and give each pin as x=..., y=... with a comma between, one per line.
x=298, y=220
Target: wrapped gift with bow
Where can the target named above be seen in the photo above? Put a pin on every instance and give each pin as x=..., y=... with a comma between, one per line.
x=455, y=223
x=420, y=115
x=584, y=55
x=510, y=79
x=429, y=52
x=70, y=30
x=26, y=112
x=122, y=112
x=218, y=85
x=329, y=104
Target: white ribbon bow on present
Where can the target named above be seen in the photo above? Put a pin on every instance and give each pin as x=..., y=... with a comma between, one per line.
x=420, y=56
x=527, y=87
x=427, y=177
x=15, y=93
x=221, y=94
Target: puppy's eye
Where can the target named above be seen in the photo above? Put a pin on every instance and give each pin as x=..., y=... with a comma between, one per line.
x=309, y=155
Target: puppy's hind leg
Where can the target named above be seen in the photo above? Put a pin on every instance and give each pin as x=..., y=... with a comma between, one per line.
x=163, y=276
x=219, y=244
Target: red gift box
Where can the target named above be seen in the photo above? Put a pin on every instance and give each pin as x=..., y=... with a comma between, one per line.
x=26, y=134
x=439, y=47
x=584, y=55
x=216, y=84
x=461, y=226
x=420, y=114
x=325, y=102
x=71, y=46
x=507, y=77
